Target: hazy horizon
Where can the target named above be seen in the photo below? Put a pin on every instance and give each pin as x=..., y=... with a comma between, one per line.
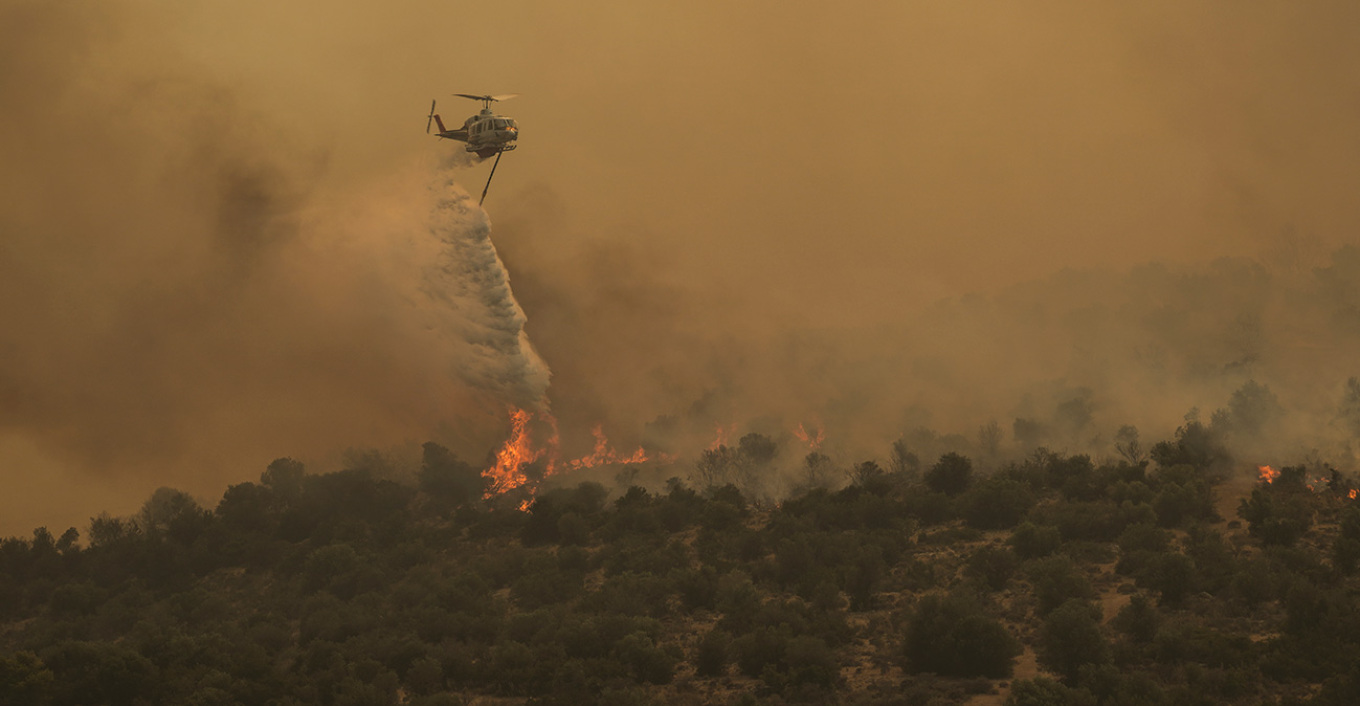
x=766, y=214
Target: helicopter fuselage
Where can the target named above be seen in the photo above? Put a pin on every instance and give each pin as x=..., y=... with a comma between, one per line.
x=485, y=133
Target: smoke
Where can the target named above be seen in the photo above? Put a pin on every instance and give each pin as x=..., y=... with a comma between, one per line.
x=190, y=290
x=1262, y=350
x=219, y=243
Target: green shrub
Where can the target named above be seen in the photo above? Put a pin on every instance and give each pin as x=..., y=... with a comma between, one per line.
x=1042, y=691
x=996, y=503
x=1071, y=639
x=992, y=566
x=711, y=656
x=951, y=475
x=1031, y=541
x=1056, y=581
x=1277, y=515
x=952, y=636
x=1138, y=620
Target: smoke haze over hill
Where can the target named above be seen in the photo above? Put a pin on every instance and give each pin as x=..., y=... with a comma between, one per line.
x=215, y=232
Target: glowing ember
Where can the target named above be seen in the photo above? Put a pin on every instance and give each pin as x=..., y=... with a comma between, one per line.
x=518, y=452
x=1351, y=494
x=814, y=441
x=1268, y=474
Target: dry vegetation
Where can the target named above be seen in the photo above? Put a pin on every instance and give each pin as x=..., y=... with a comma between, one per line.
x=1049, y=580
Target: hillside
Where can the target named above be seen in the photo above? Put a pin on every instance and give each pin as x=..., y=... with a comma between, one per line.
x=1052, y=580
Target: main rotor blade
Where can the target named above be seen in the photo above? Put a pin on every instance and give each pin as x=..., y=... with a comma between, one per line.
x=502, y=97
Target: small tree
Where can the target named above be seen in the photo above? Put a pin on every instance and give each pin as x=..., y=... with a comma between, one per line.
x=24, y=679
x=1031, y=541
x=443, y=476
x=992, y=566
x=1251, y=408
x=950, y=475
x=951, y=636
x=1042, y=691
x=989, y=439
x=996, y=503
x=284, y=476
x=711, y=656
x=1071, y=639
x=902, y=461
x=1276, y=515
x=716, y=467
x=1127, y=444
x=1346, y=549
x=818, y=470
x=1139, y=619
x=1195, y=445
x=1057, y=580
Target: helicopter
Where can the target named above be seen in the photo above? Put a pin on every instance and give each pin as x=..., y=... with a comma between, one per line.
x=485, y=133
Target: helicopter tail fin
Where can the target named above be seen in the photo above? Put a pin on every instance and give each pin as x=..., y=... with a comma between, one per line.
x=440, y=123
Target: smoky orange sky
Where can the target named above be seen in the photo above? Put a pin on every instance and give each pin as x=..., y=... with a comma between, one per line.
x=867, y=216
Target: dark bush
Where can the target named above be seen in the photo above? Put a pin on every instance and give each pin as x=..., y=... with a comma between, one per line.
x=647, y=662
x=1100, y=521
x=24, y=680
x=103, y=673
x=1196, y=446
x=711, y=656
x=1138, y=620
x=996, y=503
x=931, y=508
x=1144, y=537
x=1042, y=691
x=1277, y=514
x=444, y=477
x=1071, y=639
x=992, y=566
x=760, y=648
x=809, y=661
x=1031, y=541
x=952, y=636
x=1177, y=503
x=951, y=475
x=1056, y=581
x=1171, y=575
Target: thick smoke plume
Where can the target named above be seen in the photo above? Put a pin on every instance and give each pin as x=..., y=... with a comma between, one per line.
x=188, y=292
x=1053, y=219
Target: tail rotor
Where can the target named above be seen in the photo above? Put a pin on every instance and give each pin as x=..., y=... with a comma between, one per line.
x=429, y=119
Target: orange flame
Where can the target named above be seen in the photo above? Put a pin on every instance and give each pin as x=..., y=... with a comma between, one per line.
x=814, y=441
x=722, y=436
x=603, y=454
x=1268, y=474
x=1351, y=494
x=518, y=452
